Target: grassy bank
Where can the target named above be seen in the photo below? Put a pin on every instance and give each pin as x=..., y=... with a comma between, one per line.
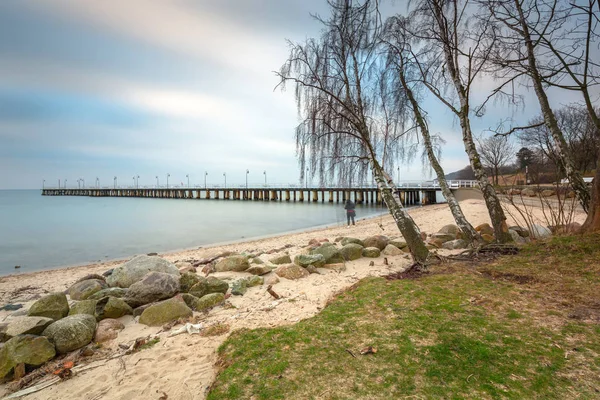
x=524, y=326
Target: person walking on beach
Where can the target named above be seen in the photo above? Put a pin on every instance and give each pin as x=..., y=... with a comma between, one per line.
x=350, y=213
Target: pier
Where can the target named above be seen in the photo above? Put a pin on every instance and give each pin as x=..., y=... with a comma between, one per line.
x=410, y=193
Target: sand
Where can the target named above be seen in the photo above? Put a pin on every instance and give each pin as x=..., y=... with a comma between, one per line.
x=183, y=366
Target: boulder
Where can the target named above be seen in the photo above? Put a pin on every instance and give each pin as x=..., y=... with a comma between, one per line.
x=513, y=192
x=54, y=305
x=107, y=330
x=528, y=192
x=84, y=289
x=30, y=350
x=272, y=280
x=304, y=260
x=371, y=252
x=312, y=269
x=284, y=259
x=352, y=251
x=378, y=241
x=92, y=276
x=237, y=263
x=153, y=287
x=256, y=260
x=112, y=292
x=437, y=243
x=261, y=269
x=443, y=237
x=348, y=240
x=199, y=289
x=401, y=244
x=317, y=242
x=330, y=252
x=137, y=268
x=84, y=307
x=338, y=267
x=216, y=285
x=139, y=310
x=488, y=238
x=540, y=232
x=112, y=307
x=239, y=287
x=254, y=281
x=521, y=231
x=484, y=229
x=516, y=237
x=450, y=229
x=166, y=311
x=24, y=325
x=188, y=280
x=205, y=302
x=390, y=250
x=291, y=271
x=71, y=333
x=455, y=244
x=547, y=193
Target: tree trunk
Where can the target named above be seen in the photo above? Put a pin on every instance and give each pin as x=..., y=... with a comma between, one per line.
x=592, y=222
x=470, y=234
x=405, y=223
x=573, y=174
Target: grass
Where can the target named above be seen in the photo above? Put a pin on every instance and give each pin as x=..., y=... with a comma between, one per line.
x=524, y=326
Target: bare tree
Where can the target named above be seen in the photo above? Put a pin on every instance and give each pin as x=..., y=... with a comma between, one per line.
x=338, y=93
x=404, y=76
x=496, y=152
x=455, y=56
x=519, y=27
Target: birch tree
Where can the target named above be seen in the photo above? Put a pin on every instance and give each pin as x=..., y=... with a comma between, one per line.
x=337, y=83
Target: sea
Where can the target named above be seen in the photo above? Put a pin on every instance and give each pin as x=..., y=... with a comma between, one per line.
x=46, y=232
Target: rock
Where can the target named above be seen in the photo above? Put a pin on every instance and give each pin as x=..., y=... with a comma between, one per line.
x=184, y=265
x=108, y=272
x=92, y=276
x=54, y=305
x=190, y=269
x=521, y=231
x=187, y=281
x=204, y=303
x=437, y=243
x=291, y=271
x=199, y=289
x=84, y=307
x=352, y=251
x=443, y=237
x=540, y=232
x=137, y=268
x=152, y=254
x=312, y=269
x=484, y=229
x=455, y=244
x=11, y=307
x=237, y=263
x=317, y=242
x=25, y=325
x=401, y=244
x=513, y=192
x=338, y=239
x=239, y=287
x=30, y=350
x=450, y=229
x=112, y=292
x=166, y=311
x=261, y=269
x=284, y=259
x=330, y=252
x=256, y=260
x=371, y=252
x=348, y=240
x=528, y=192
x=71, y=333
x=390, y=250
x=272, y=280
x=112, y=307
x=139, y=310
x=488, y=238
x=254, y=281
x=516, y=237
x=107, y=330
x=378, y=241
x=304, y=260
x=3, y=336
x=338, y=267
x=84, y=289
x=215, y=285
x=547, y=193
x=572, y=227
x=153, y=287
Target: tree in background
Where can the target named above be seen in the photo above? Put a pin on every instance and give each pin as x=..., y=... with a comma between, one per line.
x=525, y=157
x=339, y=93
x=496, y=152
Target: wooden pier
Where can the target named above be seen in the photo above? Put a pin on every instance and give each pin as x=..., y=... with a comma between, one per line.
x=409, y=195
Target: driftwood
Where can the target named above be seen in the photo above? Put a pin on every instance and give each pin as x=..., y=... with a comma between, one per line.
x=272, y=292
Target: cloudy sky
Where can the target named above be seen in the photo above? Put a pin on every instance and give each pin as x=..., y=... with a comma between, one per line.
x=124, y=88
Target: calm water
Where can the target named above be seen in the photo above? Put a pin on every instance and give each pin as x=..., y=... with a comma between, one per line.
x=42, y=232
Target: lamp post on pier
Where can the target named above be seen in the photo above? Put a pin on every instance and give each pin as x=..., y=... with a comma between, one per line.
x=247, y=172
x=205, y=174
x=79, y=183
x=188, y=179
x=398, y=183
x=83, y=183
x=137, y=181
x=157, y=186
x=225, y=177
x=265, y=173
x=115, y=182
x=134, y=185
x=97, y=183
x=168, y=175
x=64, y=184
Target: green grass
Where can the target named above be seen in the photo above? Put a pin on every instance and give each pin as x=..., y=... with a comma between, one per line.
x=456, y=333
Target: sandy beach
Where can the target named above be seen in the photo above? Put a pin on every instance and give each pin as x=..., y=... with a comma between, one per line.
x=183, y=366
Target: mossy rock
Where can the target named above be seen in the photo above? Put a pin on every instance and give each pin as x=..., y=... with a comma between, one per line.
x=30, y=350
x=254, y=281
x=401, y=244
x=304, y=260
x=84, y=289
x=283, y=259
x=71, y=333
x=351, y=251
x=54, y=305
x=84, y=307
x=348, y=240
x=109, y=292
x=239, y=287
x=216, y=285
x=237, y=263
x=371, y=252
x=165, y=311
x=205, y=302
x=378, y=241
x=188, y=280
x=330, y=252
x=112, y=307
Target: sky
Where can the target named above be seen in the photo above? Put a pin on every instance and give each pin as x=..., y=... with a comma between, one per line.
x=102, y=89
